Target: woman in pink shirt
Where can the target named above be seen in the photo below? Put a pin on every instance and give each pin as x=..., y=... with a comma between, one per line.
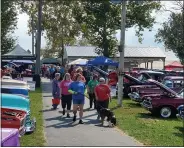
x=66, y=96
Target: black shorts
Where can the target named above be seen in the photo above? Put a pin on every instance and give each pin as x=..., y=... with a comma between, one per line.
x=102, y=104
x=66, y=101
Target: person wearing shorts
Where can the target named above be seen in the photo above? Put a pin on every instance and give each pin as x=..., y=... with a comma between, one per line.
x=66, y=96
x=77, y=88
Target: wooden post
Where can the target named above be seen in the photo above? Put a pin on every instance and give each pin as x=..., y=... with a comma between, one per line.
x=151, y=64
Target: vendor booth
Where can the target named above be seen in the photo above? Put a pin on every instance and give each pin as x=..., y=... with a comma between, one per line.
x=175, y=66
x=101, y=60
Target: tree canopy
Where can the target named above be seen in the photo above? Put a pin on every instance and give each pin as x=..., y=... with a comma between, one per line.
x=58, y=24
x=8, y=25
x=172, y=34
x=96, y=20
x=101, y=19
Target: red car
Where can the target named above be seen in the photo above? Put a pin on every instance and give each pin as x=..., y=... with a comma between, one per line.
x=175, y=83
x=12, y=118
x=165, y=103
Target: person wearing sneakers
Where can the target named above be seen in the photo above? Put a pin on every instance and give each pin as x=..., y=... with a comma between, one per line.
x=102, y=93
x=77, y=89
x=66, y=96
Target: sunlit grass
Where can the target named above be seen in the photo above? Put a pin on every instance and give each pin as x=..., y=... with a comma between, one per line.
x=146, y=128
x=37, y=137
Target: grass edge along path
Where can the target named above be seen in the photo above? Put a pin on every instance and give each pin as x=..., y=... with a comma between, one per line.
x=138, y=123
x=36, y=138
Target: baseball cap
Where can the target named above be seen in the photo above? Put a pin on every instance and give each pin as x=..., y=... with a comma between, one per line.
x=102, y=79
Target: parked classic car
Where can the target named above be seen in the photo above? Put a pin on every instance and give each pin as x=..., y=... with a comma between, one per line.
x=20, y=103
x=145, y=75
x=174, y=82
x=14, y=82
x=16, y=90
x=180, y=114
x=130, y=81
x=164, y=103
x=13, y=118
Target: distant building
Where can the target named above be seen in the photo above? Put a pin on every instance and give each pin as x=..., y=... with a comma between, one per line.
x=134, y=56
x=170, y=57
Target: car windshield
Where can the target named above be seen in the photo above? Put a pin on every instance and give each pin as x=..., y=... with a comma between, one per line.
x=168, y=83
x=181, y=94
x=178, y=83
x=142, y=78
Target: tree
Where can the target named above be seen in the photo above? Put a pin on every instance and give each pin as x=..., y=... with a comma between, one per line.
x=83, y=42
x=58, y=23
x=8, y=25
x=172, y=33
x=100, y=19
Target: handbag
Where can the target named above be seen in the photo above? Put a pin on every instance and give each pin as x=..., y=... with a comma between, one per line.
x=56, y=101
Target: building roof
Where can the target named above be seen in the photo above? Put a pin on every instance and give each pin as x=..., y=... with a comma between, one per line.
x=89, y=51
x=18, y=51
x=81, y=51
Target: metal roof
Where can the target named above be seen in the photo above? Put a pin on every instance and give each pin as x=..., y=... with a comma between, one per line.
x=89, y=51
x=18, y=51
x=81, y=51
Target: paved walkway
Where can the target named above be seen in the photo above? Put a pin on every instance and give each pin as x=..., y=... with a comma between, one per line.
x=61, y=131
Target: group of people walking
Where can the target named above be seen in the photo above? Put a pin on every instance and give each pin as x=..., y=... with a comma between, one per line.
x=49, y=71
x=74, y=89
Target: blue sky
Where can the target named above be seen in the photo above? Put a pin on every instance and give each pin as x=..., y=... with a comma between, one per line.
x=131, y=40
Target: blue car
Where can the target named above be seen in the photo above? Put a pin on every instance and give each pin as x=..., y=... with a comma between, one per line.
x=16, y=90
x=19, y=103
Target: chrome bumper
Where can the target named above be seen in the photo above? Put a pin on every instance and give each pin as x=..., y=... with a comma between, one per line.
x=134, y=97
x=147, y=104
x=22, y=132
x=179, y=117
x=30, y=126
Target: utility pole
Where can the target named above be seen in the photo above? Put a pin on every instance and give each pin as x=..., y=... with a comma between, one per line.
x=122, y=48
x=38, y=41
x=62, y=46
x=32, y=25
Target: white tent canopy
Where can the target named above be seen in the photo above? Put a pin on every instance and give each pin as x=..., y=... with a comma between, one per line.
x=78, y=61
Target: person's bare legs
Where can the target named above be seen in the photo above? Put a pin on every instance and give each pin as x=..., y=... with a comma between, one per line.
x=81, y=110
x=81, y=113
x=75, y=111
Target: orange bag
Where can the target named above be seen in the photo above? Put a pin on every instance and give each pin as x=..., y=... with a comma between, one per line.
x=56, y=101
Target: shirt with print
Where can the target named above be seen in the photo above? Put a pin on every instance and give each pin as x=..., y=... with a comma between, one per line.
x=78, y=87
x=102, y=92
x=92, y=84
x=64, y=85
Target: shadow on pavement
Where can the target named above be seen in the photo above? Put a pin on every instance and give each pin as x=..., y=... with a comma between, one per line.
x=48, y=110
x=60, y=118
x=65, y=122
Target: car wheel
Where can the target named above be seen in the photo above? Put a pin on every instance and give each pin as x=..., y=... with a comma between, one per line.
x=165, y=112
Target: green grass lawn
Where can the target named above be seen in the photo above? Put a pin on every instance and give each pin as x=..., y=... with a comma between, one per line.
x=149, y=130
x=37, y=137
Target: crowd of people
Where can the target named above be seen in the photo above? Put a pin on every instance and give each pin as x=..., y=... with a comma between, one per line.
x=77, y=84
